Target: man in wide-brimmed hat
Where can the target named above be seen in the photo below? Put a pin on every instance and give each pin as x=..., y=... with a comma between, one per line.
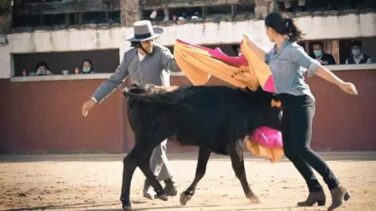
x=145, y=63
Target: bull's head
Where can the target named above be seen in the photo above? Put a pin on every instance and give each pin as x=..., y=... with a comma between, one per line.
x=136, y=90
x=157, y=95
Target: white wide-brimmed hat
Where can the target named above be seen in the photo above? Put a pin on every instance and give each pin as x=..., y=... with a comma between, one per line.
x=143, y=30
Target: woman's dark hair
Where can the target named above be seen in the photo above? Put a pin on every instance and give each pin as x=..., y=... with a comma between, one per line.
x=41, y=63
x=283, y=25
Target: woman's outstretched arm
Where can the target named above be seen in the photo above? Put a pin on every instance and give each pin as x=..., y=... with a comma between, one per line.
x=329, y=76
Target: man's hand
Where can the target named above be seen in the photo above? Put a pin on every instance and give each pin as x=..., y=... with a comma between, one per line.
x=87, y=106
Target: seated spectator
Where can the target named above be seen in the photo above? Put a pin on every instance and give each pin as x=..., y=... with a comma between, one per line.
x=153, y=15
x=42, y=69
x=87, y=66
x=321, y=56
x=290, y=8
x=356, y=55
x=196, y=16
x=76, y=70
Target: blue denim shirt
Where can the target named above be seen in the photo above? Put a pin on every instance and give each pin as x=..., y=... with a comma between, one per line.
x=288, y=66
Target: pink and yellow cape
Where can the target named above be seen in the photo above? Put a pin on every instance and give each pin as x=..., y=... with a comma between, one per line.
x=199, y=63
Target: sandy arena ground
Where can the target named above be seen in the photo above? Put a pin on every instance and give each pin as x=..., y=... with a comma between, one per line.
x=93, y=181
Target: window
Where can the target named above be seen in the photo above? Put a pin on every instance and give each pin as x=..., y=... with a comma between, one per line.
x=367, y=48
x=104, y=61
x=51, y=20
x=25, y=21
x=341, y=49
x=94, y=17
x=114, y=17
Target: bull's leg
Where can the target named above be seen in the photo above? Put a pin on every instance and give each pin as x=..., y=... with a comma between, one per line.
x=130, y=162
x=203, y=157
x=135, y=157
x=145, y=168
x=237, y=160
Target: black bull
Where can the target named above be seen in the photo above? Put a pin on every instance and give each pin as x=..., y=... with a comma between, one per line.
x=213, y=118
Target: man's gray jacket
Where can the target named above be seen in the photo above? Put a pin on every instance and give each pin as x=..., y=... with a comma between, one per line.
x=153, y=69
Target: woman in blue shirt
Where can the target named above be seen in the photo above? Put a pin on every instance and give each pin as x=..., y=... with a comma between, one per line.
x=288, y=62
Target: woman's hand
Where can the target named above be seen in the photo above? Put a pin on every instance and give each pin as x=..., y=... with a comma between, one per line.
x=87, y=106
x=349, y=88
x=259, y=52
x=246, y=38
x=327, y=75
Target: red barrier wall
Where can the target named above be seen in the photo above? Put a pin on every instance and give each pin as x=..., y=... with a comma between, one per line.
x=45, y=116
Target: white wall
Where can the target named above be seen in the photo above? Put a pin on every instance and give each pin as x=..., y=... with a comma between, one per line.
x=217, y=33
x=66, y=40
x=346, y=26
x=318, y=27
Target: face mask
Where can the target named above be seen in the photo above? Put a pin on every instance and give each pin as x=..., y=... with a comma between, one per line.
x=317, y=53
x=355, y=52
x=41, y=70
x=86, y=69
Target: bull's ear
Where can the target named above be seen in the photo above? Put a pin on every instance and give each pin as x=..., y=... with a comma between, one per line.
x=129, y=92
x=126, y=92
x=135, y=85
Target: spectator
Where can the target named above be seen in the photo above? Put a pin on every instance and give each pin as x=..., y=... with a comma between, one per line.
x=87, y=66
x=321, y=56
x=196, y=16
x=154, y=15
x=76, y=70
x=42, y=69
x=356, y=55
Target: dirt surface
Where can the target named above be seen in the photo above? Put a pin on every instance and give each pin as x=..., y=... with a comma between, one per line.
x=92, y=182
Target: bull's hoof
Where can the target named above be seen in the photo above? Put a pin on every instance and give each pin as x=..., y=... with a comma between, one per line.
x=254, y=199
x=161, y=196
x=127, y=207
x=184, y=198
x=126, y=203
